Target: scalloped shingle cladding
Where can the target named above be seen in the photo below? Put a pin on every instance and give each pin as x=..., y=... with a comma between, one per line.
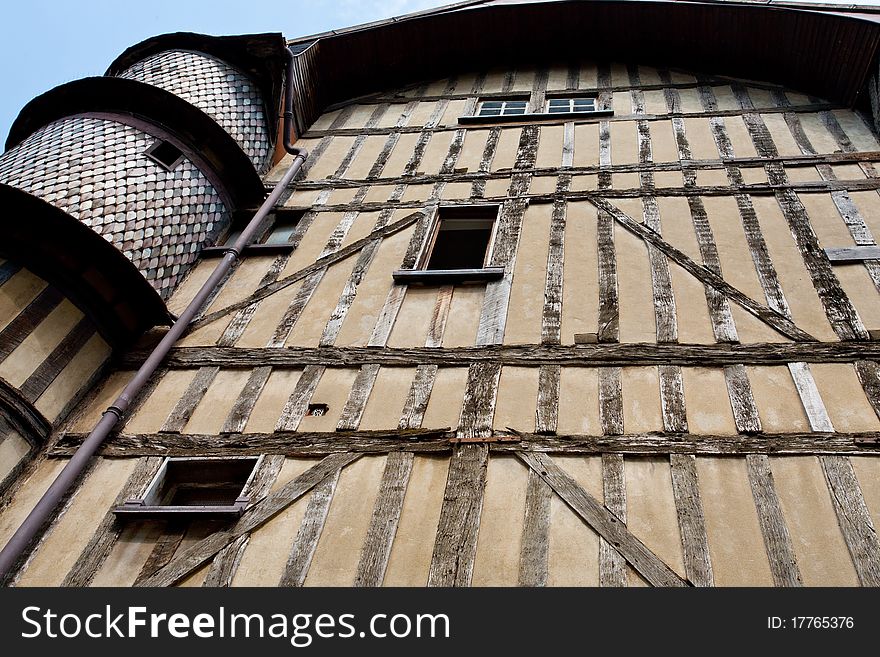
x=96, y=171
x=220, y=91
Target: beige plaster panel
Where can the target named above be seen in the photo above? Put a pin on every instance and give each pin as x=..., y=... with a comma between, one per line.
x=799, y=174
x=302, y=198
x=372, y=292
x=761, y=98
x=385, y=404
x=86, y=418
x=391, y=116
x=517, y=399
x=378, y=193
x=411, y=551
x=364, y=223
x=619, y=75
x=622, y=101
x=649, y=75
x=277, y=390
x=422, y=113
x=867, y=469
x=682, y=77
x=690, y=101
x=781, y=134
x=700, y=139
x=265, y=557
x=73, y=377
x=281, y=167
x=844, y=397
x=777, y=399
x=342, y=195
x=806, y=308
x=550, y=146
x=669, y=179
x=663, y=145
x=359, y=116
x=242, y=283
x=313, y=242
x=586, y=145
x=34, y=349
x=323, y=122
x=339, y=548
x=707, y=402
x=463, y=83
x=414, y=318
x=624, y=142
x=855, y=128
x=332, y=157
x=589, y=183
x=400, y=155
x=505, y=153
x=861, y=291
x=436, y=152
x=634, y=280
x=501, y=522
x=848, y=172
x=73, y=529
x=736, y=544
x=472, y=150
x=155, y=409
x=267, y=316
x=712, y=177
x=464, y=316
x=417, y=192
x=129, y=554
x=13, y=448
x=573, y=554
x=578, y=411
x=529, y=278
x=650, y=511
x=655, y=102
x=820, y=138
x=524, y=80
x=868, y=204
x=557, y=78
x=580, y=275
x=494, y=81
x=587, y=76
x=641, y=400
x=458, y=190
x=754, y=175
x=497, y=188
x=691, y=309
x=798, y=99
x=822, y=555
x=454, y=110
x=333, y=389
x=190, y=285
x=444, y=405
x=308, y=329
x=543, y=185
x=739, y=137
x=210, y=414
x=725, y=98
x=16, y=293
x=26, y=497
x=437, y=87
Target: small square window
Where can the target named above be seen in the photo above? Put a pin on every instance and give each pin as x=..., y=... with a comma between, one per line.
x=569, y=105
x=195, y=486
x=502, y=107
x=165, y=154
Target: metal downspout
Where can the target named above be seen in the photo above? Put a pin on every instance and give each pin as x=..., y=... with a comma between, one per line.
x=41, y=513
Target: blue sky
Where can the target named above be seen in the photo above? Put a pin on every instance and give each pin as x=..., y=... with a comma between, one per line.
x=44, y=43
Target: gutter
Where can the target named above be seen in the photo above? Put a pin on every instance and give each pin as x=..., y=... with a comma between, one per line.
x=52, y=498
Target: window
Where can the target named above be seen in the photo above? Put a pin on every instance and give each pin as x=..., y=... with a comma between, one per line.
x=165, y=154
x=502, y=107
x=276, y=239
x=459, y=248
x=202, y=486
x=281, y=231
x=569, y=105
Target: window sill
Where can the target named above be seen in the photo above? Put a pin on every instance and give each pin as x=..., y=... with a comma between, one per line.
x=537, y=116
x=138, y=510
x=447, y=276
x=253, y=249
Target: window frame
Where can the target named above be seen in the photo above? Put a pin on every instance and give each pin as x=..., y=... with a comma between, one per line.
x=571, y=98
x=481, y=104
x=536, y=116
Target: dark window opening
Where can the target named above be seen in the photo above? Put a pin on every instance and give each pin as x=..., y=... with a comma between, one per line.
x=462, y=238
x=165, y=154
x=195, y=485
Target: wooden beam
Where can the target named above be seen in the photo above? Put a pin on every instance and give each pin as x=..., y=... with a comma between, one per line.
x=691, y=521
x=612, y=565
x=846, y=254
x=186, y=405
x=535, y=548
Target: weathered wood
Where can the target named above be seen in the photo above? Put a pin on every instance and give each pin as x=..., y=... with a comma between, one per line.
x=691, y=521
x=777, y=540
x=439, y=316
x=185, y=406
x=334, y=324
x=356, y=403
x=99, y=547
x=742, y=402
x=534, y=553
x=853, y=253
x=455, y=546
x=610, y=401
x=609, y=307
x=810, y=398
x=306, y=542
x=605, y=523
x=868, y=372
x=547, y=412
x=240, y=412
x=612, y=566
x=551, y=316
x=479, y=187
x=854, y=518
x=478, y=405
x=672, y=399
x=298, y=403
x=46, y=372
x=417, y=399
x=383, y=523
x=769, y=316
x=568, y=141
x=27, y=320
x=254, y=517
x=163, y=550
x=225, y=564
x=317, y=266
